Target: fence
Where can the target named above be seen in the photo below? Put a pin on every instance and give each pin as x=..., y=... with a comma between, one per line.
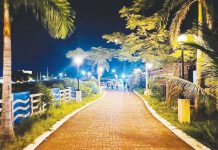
x=26, y=104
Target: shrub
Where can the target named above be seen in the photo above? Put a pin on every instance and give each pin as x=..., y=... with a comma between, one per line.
x=157, y=89
x=136, y=80
x=58, y=85
x=70, y=83
x=89, y=88
x=47, y=96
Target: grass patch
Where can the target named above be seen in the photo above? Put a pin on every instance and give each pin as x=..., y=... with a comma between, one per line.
x=205, y=130
x=31, y=128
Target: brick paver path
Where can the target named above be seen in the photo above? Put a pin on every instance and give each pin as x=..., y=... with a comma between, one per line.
x=118, y=121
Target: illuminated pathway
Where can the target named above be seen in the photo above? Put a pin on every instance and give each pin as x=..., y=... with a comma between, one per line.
x=118, y=121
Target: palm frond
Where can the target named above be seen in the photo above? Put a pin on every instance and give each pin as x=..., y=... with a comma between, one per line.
x=168, y=6
x=209, y=12
x=177, y=21
x=187, y=88
x=77, y=52
x=56, y=15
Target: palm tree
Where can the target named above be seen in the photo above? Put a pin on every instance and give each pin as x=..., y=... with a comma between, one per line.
x=181, y=13
x=56, y=16
x=99, y=57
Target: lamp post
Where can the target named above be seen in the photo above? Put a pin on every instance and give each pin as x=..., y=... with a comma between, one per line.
x=78, y=61
x=147, y=67
x=182, y=38
x=183, y=103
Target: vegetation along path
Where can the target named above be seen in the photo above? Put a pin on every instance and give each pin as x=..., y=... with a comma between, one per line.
x=118, y=121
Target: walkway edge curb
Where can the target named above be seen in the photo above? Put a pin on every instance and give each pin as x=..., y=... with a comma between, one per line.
x=179, y=133
x=58, y=124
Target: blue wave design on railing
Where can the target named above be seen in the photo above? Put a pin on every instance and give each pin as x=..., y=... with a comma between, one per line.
x=18, y=118
x=21, y=106
x=56, y=93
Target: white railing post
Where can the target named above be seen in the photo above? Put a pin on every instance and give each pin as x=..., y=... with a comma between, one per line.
x=31, y=104
x=35, y=100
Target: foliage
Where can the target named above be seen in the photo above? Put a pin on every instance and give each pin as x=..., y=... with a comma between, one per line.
x=98, y=56
x=181, y=9
x=157, y=89
x=89, y=87
x=148, y=40
x=136, y=80
x=187, y=88
x=47, y=96
x=209, y=134
x=58, y=85
x=70, y=83
x=77, y=52
x=30, y=129
x=55, y=15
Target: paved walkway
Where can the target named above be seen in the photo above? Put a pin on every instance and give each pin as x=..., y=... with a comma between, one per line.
x=118, y=121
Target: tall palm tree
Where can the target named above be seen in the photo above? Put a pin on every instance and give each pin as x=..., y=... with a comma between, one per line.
x=99, y=57
x=183, y=7
x=56, y=16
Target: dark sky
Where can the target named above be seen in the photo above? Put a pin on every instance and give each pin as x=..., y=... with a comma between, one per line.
x=33, y=49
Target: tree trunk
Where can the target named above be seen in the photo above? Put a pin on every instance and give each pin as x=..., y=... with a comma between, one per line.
x=99, y=79
x=7, y=110
x=199, y=62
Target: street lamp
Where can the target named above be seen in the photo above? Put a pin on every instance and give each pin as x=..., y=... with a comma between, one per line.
x=181, y=39
x=83, y=73
x=147, y=67
x=78, y=61
x=60, y=75
x=123, y=76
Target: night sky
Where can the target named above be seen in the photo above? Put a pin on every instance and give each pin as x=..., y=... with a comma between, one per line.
x=33, y=49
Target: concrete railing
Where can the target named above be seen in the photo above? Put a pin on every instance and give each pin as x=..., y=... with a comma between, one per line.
x=65, y=94
x=26, y=104
x=36, y=105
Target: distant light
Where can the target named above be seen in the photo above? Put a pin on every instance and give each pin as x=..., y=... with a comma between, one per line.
x=116, y=76
x=123, y=76
x=83, y=73
x=181, y=38
x=138, y=70
x=89, y=74
x=60, y=74
x=113, y=70
x=78, y=61
x=149, y=66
